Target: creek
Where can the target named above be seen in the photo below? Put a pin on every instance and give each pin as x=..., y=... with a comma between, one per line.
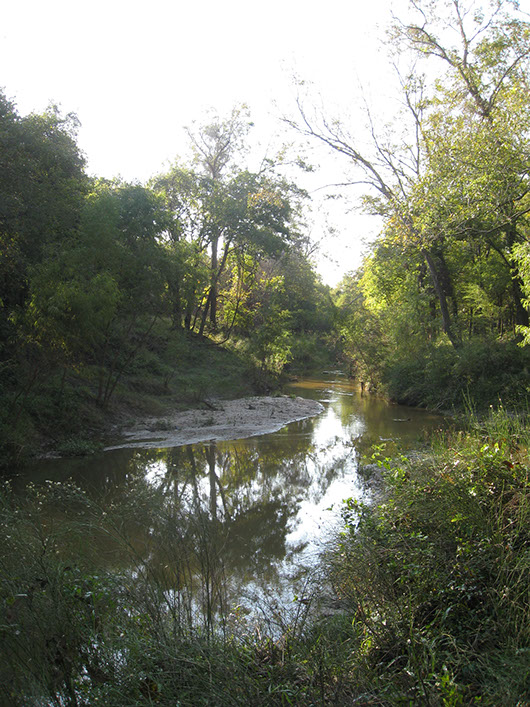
x=263, y=506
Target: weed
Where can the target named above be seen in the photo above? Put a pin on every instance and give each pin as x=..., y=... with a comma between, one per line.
x=437, y=574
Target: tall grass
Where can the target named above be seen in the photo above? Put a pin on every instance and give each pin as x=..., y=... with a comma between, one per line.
x=129, y=606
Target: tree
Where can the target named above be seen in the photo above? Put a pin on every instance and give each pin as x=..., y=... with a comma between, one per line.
x=181, y=190
x=215, y=145
x=420, y=184
x=95, y=299
x=476, y=180
x=128, y=220
x=389, y=171
x=361, y=330
x=491, y=54
x=248, y=213
x=521, y=255
x=42, y=186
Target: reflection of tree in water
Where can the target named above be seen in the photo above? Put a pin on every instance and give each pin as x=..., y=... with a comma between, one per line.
x=248, y=496
x=208, y=521
x=219, y=520
x=252, y=489
x=240, y=497
x=381, y=420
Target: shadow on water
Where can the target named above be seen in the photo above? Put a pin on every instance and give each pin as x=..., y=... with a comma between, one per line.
x=249, y=514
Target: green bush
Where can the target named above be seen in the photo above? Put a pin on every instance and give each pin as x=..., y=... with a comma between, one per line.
x=447, y=378
x=436, y=576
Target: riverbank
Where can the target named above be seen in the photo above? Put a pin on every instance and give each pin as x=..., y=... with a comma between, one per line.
x=62, y=417
x=218, y=420
x=127, y=596
x=435, y=573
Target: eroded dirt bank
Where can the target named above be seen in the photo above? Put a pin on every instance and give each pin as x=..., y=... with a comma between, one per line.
x=222, y=420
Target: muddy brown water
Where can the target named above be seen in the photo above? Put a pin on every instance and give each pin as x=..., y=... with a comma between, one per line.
x=271, y=501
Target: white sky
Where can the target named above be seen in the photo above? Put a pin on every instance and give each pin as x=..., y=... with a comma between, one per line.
x=137, y=72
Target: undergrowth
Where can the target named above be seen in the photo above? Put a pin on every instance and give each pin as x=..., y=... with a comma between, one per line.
x=436, y=575
x=443, y=377
x=173, y=370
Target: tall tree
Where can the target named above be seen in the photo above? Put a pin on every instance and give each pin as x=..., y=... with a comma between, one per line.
x=389, y=169
x=485, y=52
x=215, y=146
x=42, y=186
x=245, y=213
x=476, y=180
x=94, y=300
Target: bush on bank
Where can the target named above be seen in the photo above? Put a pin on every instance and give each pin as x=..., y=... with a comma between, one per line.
x=174, y=370
x=436, y=575
x=445, y=378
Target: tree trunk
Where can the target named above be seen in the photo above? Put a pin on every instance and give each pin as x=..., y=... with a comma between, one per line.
x=176, y=314
x=213, y=283
x=205, y=312
x=210, y=456
x=521, y=313
x=211, y=302
x=442, y=300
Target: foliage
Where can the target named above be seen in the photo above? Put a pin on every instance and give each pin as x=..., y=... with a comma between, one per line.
x=480, y=372
x=217, y=205
x=521, y=254
x=435, y=573
x=91, y=269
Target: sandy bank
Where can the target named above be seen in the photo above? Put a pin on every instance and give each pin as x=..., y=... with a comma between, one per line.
x=224, y=420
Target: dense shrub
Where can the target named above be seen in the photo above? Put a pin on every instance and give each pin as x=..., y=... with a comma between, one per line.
x=436, y=575
x=446, y=378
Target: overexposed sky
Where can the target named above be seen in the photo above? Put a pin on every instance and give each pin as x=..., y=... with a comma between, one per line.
x=136, y=73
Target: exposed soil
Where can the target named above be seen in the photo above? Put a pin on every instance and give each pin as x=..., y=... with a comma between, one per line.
x=219, y=420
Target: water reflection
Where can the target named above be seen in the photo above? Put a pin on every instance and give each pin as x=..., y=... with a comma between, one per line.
x=249, y=514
